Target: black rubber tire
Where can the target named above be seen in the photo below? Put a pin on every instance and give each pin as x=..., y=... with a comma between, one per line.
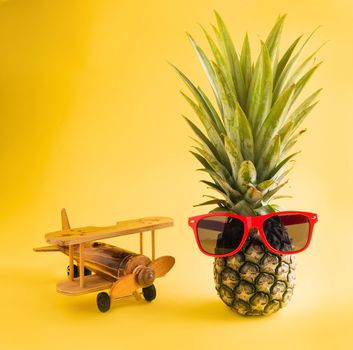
x=77, y=272
x=103, y=301
x=149, y=293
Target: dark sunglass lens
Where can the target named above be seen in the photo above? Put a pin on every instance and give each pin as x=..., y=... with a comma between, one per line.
x=287, y=232
x=220, y=234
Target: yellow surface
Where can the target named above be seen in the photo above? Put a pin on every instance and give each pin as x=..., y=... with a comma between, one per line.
x=90, y=121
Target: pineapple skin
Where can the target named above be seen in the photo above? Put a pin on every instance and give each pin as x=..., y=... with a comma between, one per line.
x=255, y=281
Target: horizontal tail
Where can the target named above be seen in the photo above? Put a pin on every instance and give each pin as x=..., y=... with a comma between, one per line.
x=49, y=248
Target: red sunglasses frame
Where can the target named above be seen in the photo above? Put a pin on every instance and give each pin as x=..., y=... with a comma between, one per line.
x=252, y=222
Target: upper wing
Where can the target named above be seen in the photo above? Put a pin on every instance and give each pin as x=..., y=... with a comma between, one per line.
x=91, y=233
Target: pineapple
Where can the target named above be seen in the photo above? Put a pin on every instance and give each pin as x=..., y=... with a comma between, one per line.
x=250, y=129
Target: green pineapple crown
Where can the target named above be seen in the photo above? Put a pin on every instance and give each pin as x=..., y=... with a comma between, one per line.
x=249, y=135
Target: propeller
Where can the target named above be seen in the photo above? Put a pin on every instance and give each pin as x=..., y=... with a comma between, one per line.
x=141, y=277
x=162, y=265
x=124, y=286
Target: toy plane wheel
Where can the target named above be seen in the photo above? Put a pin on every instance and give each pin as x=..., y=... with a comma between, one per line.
x=103, y=301
x=149, y=293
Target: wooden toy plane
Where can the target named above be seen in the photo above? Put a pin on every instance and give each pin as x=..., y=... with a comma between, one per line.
x=102, y=266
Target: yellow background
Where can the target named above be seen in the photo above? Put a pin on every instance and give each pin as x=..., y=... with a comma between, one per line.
x=90, y=121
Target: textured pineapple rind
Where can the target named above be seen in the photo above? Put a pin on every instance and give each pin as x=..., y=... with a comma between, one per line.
x=254, y=281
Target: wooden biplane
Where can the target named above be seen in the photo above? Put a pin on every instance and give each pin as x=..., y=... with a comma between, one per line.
x=100, y=266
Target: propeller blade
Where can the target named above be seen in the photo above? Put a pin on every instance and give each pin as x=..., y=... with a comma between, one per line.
x=162, y=265
x=124, y=286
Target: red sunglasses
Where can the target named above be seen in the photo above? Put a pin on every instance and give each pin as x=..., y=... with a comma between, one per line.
x=224, y=234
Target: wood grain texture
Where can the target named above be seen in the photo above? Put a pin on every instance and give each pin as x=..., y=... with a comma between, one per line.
x=81, y=265
x=153, y=243
x=93, y=283
x=71, y=263
x=65, y=225
x=107, y=260
x=144, y=276
x=141, y=242
x=137, y=295
x=50, y=248
x=162, y=265
x=124, y=286
x=92, y=233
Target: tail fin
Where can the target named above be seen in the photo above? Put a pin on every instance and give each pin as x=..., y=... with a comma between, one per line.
x=64, y=220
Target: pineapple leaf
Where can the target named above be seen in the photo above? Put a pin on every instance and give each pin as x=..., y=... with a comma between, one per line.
x=297, y=115
x=213, y=120
x=292, y=141
x=301, y=116
x=288, y=146
x=266, y=209
x=281, y=164
x=212, y=201
x=207, y=67
x=302, y=82
x=243, y=208
x=214, y=186
x=269, y=159
x=217, y=167
x=202, y=145
x=234, y=155
x=221, y=210
x=285, y=132
x=212, y=132
x=246, y=175
x=217, y=185
x=202, y=160
x=235, y=133
x=268, y=196
x=273, y=40
x=253, y=195
x=203, y=137
x=211, y=197
x=227, y=100
x=233, y=59
x=233, y=194
x=282, y=78
x=266, y=185
x=245, y=62
x=276, y=207
x=215, y=50
x=214, y=113
x=245, y=134
x=254, y=118
x=298, y=72
x=221, y=63
x=260, y=91
x=273, y=122
x=207, y=123
x=282, y=175
x=281, y=197
x=212, y=174
x=284, y=60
